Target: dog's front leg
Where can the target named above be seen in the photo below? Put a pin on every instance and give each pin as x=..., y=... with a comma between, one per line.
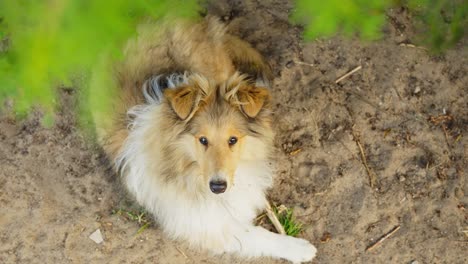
x=254, y=241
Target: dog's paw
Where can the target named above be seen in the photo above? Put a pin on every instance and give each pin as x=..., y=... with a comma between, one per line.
x=298, y=250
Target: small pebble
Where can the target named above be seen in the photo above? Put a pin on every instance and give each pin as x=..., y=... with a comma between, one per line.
x=96, y=236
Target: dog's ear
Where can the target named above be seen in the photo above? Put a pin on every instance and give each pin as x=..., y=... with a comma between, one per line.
x=182, y=100
x=253, y=99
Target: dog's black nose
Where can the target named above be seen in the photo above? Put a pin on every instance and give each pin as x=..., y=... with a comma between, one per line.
x=218, y=186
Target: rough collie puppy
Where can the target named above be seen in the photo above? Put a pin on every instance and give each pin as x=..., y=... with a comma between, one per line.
x=192, y=138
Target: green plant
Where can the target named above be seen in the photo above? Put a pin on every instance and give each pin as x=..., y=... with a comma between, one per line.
x=286, y=219
x=326, y=18
x=139, y=216
x=440, y=23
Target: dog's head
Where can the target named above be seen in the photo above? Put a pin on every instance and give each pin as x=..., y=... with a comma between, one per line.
x=224, y=125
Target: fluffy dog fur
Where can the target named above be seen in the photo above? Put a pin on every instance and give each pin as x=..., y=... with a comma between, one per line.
x=179, y=83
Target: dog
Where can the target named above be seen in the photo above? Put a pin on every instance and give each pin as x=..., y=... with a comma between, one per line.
x=192, y=137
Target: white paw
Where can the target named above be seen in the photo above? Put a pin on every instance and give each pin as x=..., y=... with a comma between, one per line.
x=298, y=250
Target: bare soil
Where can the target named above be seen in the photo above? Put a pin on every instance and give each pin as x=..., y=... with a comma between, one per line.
x=403, y=115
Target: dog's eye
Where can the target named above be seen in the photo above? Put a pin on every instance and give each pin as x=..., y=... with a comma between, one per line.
x=232, y=141
x=203, y=141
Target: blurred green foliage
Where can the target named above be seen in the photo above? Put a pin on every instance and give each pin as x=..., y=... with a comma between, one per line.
x=50, y=41
x=440, y=23
x=326, y=18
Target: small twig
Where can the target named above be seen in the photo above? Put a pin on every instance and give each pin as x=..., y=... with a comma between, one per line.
x=372, y=177
x=383, y=238
x=274, y=219
x=348, y=74
x=442, y=120
x=259, y=217
x=295, y=152
x=409, y=45
x=181, y=252
x=444, y=128
x=303, y=63
x=142, y=228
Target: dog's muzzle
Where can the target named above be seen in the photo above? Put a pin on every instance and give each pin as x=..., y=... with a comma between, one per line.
x=218, y=186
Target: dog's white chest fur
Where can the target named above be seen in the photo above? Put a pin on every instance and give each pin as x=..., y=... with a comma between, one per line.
x=202, y=220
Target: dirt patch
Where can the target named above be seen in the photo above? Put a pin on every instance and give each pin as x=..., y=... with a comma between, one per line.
x=407, y=109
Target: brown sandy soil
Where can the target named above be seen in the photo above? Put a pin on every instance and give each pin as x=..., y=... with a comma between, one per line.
x=407, y=110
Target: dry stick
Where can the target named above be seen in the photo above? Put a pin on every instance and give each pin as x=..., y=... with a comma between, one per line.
x=348, y=74
x=372, y=178
x=274, y=220
x=411, y=46
x=181, y=252
x=295, y=152
x=303, y=63
x=382, y=239
x=259, y=217
x=444, y=128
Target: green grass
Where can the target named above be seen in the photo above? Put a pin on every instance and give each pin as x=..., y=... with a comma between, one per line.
x=139, y=216
x=285, y=216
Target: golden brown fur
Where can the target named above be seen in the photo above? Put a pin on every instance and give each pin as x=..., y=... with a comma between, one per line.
x=202, y=48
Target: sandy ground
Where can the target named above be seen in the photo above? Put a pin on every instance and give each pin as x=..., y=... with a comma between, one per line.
x=404, y=115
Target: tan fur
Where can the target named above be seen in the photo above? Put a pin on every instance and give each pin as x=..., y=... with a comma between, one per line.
x=253, y=99
x=203, y=48
x=182, y=100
